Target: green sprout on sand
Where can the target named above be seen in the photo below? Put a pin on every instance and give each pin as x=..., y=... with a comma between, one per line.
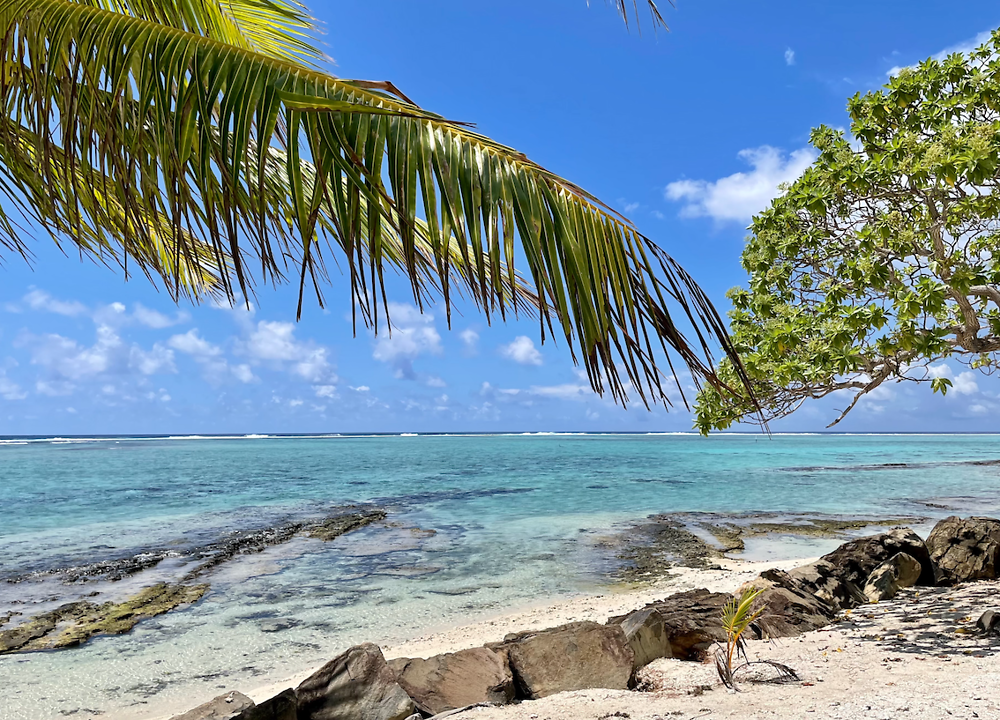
x=740, y=614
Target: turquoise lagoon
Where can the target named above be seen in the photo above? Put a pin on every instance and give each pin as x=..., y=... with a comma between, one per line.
x=478, y=524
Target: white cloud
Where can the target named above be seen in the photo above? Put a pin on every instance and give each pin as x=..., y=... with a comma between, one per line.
x=789, y=57
x=567, y=391
x=109, y=354
x=41, y=300
x=965, y=384
x=243, y=373
x=963, y=47
x=275, y=343
x=522, y=350
x=54, y=388
x=435, y=382
x=361, y=388
x=469, y=338
x=157, y=320
x=962, y=384
x=326, y=391
x=413, y=334
x=629, y=207
x=739, y=196
x=10, y=390
x=193, y=344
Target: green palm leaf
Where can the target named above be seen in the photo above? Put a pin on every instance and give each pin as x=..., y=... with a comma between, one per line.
x=184, y=128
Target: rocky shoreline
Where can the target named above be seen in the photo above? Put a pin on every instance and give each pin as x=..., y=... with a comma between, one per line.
x=846, y=586
x=73, y=623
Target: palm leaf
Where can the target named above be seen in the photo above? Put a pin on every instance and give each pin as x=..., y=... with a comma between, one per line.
x=278, y=28
x=182, y=127
x=623, y=7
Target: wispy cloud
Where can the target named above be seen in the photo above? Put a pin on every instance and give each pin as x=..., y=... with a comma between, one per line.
x=789, y=57
x=737, y=197
x=412, y=334
x=965, y=46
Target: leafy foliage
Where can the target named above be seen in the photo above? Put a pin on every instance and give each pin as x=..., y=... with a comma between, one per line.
x=884, y=257
x=193, y=141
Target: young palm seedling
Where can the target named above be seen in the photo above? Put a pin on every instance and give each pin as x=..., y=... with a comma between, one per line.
x=738, y=616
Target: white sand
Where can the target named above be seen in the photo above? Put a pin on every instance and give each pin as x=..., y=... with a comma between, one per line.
x=902, y=659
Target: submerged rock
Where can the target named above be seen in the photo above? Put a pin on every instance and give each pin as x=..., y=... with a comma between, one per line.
x=576, y=656
x=357, y=685
x=965, y=549
x=334, y=527
x=454, y=680
x=224, y=707
x=75, y=623
x=899, y=571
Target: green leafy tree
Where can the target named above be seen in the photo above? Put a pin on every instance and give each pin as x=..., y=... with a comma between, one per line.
x=884, y=257
x=199, y=143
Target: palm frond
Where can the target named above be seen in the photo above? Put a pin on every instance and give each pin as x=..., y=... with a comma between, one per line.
x=182, y=127
x=281, y=29
x=625, y=6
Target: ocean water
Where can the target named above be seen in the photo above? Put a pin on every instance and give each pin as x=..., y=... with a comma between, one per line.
x=477, y=525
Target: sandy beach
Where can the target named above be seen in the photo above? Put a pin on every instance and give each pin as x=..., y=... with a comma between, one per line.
x=912, y=657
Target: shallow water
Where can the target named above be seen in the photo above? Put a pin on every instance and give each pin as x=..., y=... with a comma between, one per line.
x=515, y=519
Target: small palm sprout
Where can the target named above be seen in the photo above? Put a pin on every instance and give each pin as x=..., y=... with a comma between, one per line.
x=739, y=615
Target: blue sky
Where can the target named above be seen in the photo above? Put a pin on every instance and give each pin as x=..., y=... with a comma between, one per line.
x=686, y=132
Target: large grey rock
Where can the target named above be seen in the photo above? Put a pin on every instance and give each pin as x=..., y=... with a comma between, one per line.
x=855, y=561
x=357, y=685
x=899, y=571
x=989, y=623
x=692, y=621
x=647, y=636
x=282, y=706
x=964, y=550
x=224, y=707
x=822, y=580
x=454, y=680
x=576, y=656
x=789, y=607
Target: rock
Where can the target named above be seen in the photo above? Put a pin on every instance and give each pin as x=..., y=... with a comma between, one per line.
x=647, y=636
x=282, y=706
x=899, y=571
x=576, y=656
x=357, y=685
x=454, y=680
x=854, y=561
x=821, y=579
x=989, y=623
x=224, y=707
x=964, y=550
x=692, y=621
x=789, y=607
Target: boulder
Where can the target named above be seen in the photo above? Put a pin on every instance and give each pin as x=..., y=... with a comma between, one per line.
x=282, y=706
x=964, y=550
x=454, y=680
x=789, y=607
x=576, y=656
x=692, y=622
x=854, y=561
x=224, y=707
x=899, y=571
x=647, y=636
x=989, y=623
x=821, y=579
x=357, y=685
